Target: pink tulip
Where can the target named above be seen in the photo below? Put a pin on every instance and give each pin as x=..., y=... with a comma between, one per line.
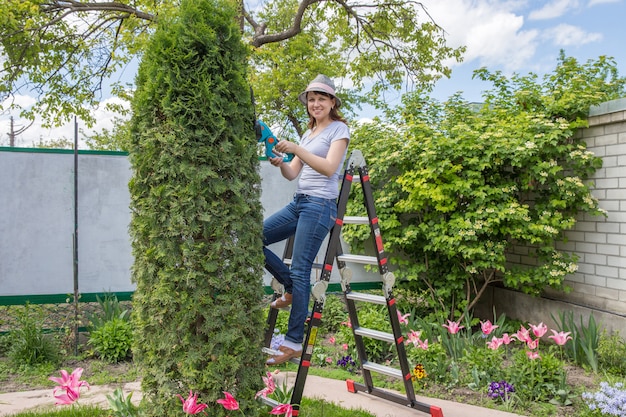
x=506, y=339
x=344, y=346
x=532, y=355
x=190, y=405
x=70, y=384
x=560, y=338
x=270, y=386
x=403, y=318
x=423, y=344
x=66, y=398
x=532, y=344
x=453, y=327
x=487, y=327
x=332, y=340
x=495, y=343
x=523, y=334
x=539, y=330
x=285, y=409
x=229, y=402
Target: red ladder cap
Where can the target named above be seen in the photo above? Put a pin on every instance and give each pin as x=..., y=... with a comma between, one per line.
x=350, y=384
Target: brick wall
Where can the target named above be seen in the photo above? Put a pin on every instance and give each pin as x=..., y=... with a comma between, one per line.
x=599, y=285
x=600, y=281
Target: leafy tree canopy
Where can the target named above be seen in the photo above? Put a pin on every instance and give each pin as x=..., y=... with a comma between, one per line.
x=64, y=50
x=459, y=188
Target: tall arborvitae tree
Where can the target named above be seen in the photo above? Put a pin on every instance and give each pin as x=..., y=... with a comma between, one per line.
x=197, y=218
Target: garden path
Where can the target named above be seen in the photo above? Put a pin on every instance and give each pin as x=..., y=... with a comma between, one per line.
x=331, y=390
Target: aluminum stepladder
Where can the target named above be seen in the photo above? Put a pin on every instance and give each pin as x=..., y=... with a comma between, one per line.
x=334, y=252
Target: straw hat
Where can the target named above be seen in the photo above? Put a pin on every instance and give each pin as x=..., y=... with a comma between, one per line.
x=321, y=84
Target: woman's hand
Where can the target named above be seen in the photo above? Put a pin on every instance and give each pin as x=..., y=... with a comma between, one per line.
x=284, y=146
x=277, y=161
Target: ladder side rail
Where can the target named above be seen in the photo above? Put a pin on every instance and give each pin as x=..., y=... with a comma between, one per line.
x=272, y=315
x=318, y=305
x=358, y=339
x=383, y=266
x=400, y=348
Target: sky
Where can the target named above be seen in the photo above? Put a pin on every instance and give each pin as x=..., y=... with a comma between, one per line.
x=515, y=36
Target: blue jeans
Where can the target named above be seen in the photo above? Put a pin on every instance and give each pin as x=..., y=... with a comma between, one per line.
x=308, y=219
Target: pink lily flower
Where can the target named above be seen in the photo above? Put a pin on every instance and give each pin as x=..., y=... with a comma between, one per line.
x=539, y=330
x=532, y=344
x=403, y=318
x=286, y=409
x=560, y=338
x=495, y=343
x=453, y=327
x=332, y=339
x=190, y=405
x=506, y=339
x=229, y=402
x=70, y=384
x=270, y=386
x=423, y=344
x=487, y=327
x=414, y=337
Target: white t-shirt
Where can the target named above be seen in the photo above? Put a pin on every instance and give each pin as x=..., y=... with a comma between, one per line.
x=312, y=182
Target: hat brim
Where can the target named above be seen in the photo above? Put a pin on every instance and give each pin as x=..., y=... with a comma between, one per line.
x=302, y=96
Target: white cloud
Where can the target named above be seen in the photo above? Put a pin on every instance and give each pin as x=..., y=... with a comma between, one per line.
x=491, y=30
x=596, y=2
x=553, y=9
x=568, y=35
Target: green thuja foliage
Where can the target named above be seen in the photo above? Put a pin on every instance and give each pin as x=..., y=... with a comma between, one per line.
x=196, y=215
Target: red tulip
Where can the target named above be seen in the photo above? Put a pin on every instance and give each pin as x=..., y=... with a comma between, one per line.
x=229, y=402
x=190, y=405
x=285, y=409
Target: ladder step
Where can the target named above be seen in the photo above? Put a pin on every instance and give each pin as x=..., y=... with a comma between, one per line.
x=356, y=220
x=273, y=352
x=375, y=334
x=359, y=259
x=370, y=298
x=382, y=369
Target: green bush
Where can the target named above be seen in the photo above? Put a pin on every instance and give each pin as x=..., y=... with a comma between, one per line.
x=373, y=317
x=334, y=313
x=28, y=344
x=612, y=353
x=113, y=340
x=535, y=380
x=110, y=308
x=197, y=219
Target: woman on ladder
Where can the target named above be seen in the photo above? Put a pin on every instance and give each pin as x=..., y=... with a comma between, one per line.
x=318, y=161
